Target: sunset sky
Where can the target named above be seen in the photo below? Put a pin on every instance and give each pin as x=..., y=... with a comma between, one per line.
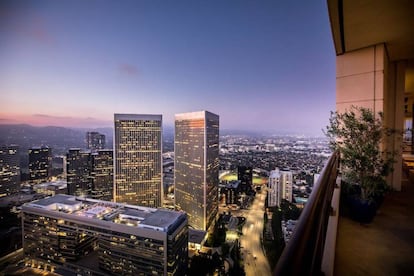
x=260, y=65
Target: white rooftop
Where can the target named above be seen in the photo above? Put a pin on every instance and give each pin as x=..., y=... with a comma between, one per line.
x=131, y=215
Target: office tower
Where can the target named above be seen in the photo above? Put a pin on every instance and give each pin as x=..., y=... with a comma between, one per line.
x=95, y=141
x=9, y=170
x=138, y=159
x=78, y=168
x=40, y=163
x=245, y=175
x=102, y=175
x=280, y=187
x=94, y=237
x=196, y=167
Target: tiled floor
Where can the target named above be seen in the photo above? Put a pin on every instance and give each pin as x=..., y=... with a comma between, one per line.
x=384, y=247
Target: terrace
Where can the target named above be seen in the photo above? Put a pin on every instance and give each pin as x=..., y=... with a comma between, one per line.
x=375, y=69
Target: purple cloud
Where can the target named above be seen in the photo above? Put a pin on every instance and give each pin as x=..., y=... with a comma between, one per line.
x=128, y=69
x=35, y=28
x=40, y=34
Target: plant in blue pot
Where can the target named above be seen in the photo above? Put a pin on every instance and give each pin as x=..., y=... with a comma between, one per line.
x=360, y=135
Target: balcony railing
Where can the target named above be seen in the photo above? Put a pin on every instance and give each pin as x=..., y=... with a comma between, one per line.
x=303, y=254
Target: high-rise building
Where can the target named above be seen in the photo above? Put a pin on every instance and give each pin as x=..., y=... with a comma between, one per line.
x=196, y=167
x=280, y=187
x=78, y=169
x=40, y=163
x=245, y=175
x=102, y=175
x=95, y=141
x=9, y=170
x=94, y=237
x=138, y=159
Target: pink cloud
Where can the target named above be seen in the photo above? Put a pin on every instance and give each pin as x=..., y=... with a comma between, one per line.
x=34, y=28
x=128, y=69
x=53, y=120
x=40, y=34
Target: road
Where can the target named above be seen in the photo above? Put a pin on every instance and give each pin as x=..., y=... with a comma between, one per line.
x=255, y=262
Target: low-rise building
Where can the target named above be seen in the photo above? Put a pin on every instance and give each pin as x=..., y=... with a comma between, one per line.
x=94, y=237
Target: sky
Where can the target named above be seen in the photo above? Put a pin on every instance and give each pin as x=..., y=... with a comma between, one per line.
x=265, y=66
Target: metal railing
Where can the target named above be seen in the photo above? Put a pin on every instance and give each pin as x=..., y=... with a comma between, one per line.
x=303, y=254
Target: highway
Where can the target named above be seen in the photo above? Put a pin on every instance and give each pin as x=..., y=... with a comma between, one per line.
x=255, y=262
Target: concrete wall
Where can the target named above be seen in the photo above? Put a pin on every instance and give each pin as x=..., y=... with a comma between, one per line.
x=366, y=78
x=360, y=79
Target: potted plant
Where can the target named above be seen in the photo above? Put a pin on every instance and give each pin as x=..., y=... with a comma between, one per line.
x=358, y=134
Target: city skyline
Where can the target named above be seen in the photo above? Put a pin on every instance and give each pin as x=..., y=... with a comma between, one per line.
x=262, y=66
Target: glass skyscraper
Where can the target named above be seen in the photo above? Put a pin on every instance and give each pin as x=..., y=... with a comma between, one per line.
x=196, y=167
x=103, y=174
x=79, y=168
x=40, y=163
x=9, y=170
x=138, y=159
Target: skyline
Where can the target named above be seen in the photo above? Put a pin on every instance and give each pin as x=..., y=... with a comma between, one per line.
x=261, y=66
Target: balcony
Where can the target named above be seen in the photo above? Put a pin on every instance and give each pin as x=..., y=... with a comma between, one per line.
x=384, y=247
x=326, y=243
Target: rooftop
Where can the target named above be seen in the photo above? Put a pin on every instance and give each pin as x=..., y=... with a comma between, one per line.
x=130, y=215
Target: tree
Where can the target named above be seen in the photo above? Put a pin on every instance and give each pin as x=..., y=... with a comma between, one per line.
x=359, y=134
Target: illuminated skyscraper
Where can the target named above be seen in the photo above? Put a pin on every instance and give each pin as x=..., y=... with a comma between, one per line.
x=9, y=170
x=40, y=163
x=138, y=159
x=103, y=175
x=196, y=167
x=79, y=168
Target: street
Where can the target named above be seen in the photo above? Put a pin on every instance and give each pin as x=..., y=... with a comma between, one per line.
x=255, y=262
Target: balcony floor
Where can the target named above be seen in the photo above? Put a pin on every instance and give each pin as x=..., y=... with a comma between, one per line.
x=384, y=247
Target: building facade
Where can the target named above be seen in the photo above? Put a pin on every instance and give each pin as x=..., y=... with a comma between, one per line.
x=245, y=175
x=103, y=175
x=40, y=164
x=138, y=159
x=231, y=192
x=78, y=172
x=196, y=167
x=94, y=237
x=9, y=170
x=280, y=187
x=95, y=141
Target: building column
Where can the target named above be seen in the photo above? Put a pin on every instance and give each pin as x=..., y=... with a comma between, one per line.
x=395, y=106
x=360, y=78
x=364, y=78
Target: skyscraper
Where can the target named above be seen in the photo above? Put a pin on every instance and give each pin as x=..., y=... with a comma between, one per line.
x=95, y=141
x=79, y=167
x=9, y=170
x=138, y=159
x=196, y=166
x=280, y=187
x=103, y=175
x=40, y=163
